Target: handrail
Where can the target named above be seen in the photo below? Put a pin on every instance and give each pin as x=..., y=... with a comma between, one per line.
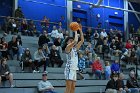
x=28, y=19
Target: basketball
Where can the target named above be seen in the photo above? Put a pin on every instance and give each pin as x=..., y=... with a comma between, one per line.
x=74, y=26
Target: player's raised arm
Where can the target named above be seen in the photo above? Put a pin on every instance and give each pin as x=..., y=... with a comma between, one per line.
x=82, y=39
x=71, y=43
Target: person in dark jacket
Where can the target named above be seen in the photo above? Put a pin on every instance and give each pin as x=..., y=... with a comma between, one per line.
x=132, y=83
x=13, y=47
x=43, y=39
x=26, y=60
x=121, y=86
x=5, y=72
x=55, y=57
x=112, y=85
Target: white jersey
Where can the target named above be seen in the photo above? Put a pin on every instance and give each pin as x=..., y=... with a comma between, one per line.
x=72, y=60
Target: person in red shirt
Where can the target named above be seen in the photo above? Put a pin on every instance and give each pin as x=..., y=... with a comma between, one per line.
x=97, y=68
x=128, y=45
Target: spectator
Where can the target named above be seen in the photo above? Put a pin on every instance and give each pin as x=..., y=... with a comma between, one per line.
x=90, y=51
x=32, y=29
x=96, y=37
x=121, y=87
x=99, y=44
x=62, y=21
x=19, y=13
x=46, y=52
x=5, y=73
x=57, y=43
x=44, y=86
x=132, y=83
x=54, y=33
x=19, y=44
x=14, y=26
x=13, y=47
x=43, y=39
x=88, y=34
x=107, y=70
x=128, y=45
x=115, y=67
x=97, y=68
x=4, y=48
x=40, y=59
x=103, y=33
x=138, y=53
x=81, y=64
x=26, y=60
x=55, y=57
x=112, y=84
x=45, y=23
x=105, y=48
x=24, y=27
x=111, y=35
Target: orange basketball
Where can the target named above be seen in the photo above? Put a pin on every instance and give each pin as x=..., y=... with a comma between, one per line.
x=74, y=26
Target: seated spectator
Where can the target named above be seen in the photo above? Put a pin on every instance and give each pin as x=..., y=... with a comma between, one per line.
x=105, y=49
x=54, y=33
x=107, y=70
x=88, y=62
x=57, y=43
x=24, y=27
x=32, y=29
x=26, y=60
x=88, y=34
x=132, y=59
x=55, y=57
x=45, y=23
x=138, y=53
x=97, y=68
x=44, y=86
x=14, y=26
x=20, y=49
x=96, y=37
x=5, y=73
x=81, y=64
x=124, y=56
x=46, y=52
x=132, y=83
x=39, y=59
x=112, y=84
x=103, y=33
x=129, y=45
x=114, y=47
x=13, y=48
x=99, y=44
x=4, y=48
x=90, y=51
x=121, y=87
x=43, y=39
x=115, y=67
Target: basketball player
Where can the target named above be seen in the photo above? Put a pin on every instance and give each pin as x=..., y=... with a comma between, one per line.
x=72, y=60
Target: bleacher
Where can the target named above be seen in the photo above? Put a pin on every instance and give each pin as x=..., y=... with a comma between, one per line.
x=26, y=82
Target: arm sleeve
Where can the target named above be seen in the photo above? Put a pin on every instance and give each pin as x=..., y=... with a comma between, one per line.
x=40, y=88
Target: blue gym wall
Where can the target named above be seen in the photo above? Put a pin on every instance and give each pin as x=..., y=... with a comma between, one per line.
x=107, y=22
x=132, y=18
x=36, y=9
x=6, y=8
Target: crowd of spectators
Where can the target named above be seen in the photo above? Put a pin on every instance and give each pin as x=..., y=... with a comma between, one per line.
x=51, y=45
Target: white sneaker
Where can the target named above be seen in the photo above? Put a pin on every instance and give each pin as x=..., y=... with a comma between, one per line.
x=12, y=86
x=34, y=71
x=46, y=72
x=38, y=71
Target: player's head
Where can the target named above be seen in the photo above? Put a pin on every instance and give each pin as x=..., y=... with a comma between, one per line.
x=69, y=40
